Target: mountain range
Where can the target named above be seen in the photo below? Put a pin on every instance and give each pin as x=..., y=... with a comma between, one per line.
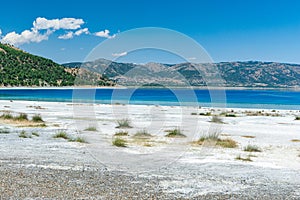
x=19, y=68
x=228, y=74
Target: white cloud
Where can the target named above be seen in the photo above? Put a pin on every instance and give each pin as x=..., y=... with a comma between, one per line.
x=119, y=54
x=66, y=36
x=70, y=34
x=0, y=32
x=82, y=31
x=105, y=34
x=26, y=36
x=42, y=23
x=43, y=28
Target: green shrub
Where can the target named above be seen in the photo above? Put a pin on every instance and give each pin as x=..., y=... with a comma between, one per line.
x=121, y=133
x=226, y=143
x=21, y=117
x=78, y=139
x=230, y=115
x=214, y=137
x=142, y=133
x=23, y=134
x=252, y=148
x=124, y=123
x=4, y=131
x=118, y=142
x=175, y=133
x=61, y=135
x=37, y=118
x=7, y=116
x=91, y=128
x=205, y=114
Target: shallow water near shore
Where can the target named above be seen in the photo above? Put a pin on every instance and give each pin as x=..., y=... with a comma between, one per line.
x=261, y=99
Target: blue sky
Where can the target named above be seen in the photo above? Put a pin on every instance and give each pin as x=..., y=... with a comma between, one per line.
x=231, y=30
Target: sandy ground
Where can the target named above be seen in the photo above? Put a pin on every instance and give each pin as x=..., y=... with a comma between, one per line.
x=155, y=167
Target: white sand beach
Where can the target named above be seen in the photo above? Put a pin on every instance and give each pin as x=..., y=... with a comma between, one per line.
x=149, y=167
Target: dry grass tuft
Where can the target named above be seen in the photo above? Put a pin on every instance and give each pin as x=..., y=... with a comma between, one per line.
x=248, y=136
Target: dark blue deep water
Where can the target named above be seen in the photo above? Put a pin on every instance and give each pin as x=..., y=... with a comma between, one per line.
x=268, y=99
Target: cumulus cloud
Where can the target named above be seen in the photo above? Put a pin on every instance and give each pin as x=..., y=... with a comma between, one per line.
x=0, y=32
x=105, y=34
x=82, y=31
x=66, y=36
x=42, y=23
x=26, y=36
x=119, y=54
x=43, y=28
x=70, y=34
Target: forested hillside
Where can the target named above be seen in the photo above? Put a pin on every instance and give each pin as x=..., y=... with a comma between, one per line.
x=19, y=68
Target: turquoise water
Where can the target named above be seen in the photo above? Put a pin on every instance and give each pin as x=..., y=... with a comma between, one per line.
x=268, y=99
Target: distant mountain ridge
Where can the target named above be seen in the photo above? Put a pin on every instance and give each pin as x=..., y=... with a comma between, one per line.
x=230, y=74
x=19, y=68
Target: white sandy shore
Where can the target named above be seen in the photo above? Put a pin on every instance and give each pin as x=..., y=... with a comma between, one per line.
x=177, y=160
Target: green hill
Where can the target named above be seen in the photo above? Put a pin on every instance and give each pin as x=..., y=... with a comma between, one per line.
x=19, y=68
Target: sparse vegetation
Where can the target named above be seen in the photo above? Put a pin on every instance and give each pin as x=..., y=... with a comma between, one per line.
x=78, y=139
x=262, y=113
x=6, y=116
x=248, y=136
x=61, y=135
x=119, y=142
x=142, y=133
x=35, y=134
x=23, y=121
x=124, y=123
x=230, y=115
x=295, y=140
x=175, y=133
x=23, y=134
x=146, y=144
x=226, y=143
x=193, y=113
x=4, y=131
x=205, y=114
x=252, y=148
x=217, y=119
x=297, y=118
x=21, y=117
x=91, y=128
x=247, y=159
x=213, y=138
x=121, y=133
x=37, y=118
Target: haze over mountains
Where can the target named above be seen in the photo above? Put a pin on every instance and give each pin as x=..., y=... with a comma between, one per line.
x=19, y=68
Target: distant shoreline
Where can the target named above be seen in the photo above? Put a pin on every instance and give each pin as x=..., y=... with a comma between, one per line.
x=133, y=87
